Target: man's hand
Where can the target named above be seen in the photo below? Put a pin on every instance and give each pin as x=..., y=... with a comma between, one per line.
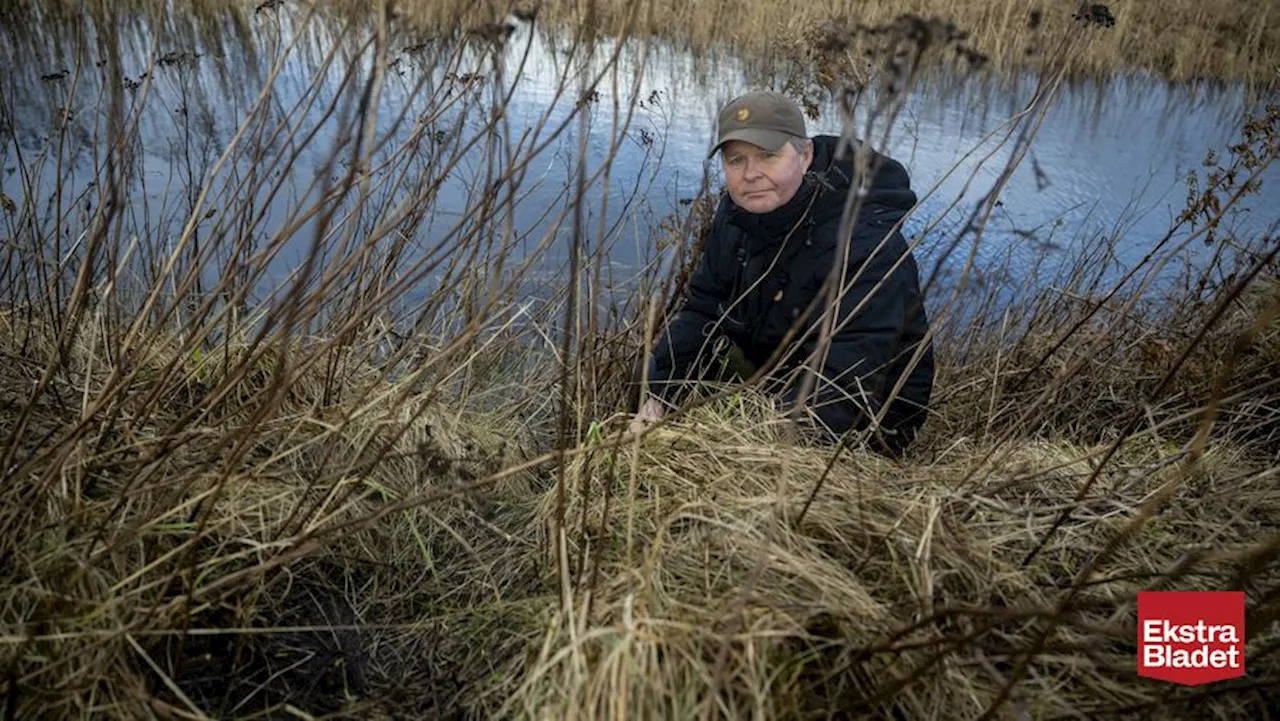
x=651, y=411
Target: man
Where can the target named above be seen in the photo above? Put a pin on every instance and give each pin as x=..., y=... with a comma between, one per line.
x=774, y=238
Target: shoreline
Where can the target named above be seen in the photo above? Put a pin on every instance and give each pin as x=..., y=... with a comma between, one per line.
x=1184, y=42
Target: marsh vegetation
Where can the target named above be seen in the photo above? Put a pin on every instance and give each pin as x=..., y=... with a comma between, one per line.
x=313, y=388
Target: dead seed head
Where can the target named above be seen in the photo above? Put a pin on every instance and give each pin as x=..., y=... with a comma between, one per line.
x=1095, y=14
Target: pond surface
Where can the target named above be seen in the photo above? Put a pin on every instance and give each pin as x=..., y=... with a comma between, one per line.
x=1109, y=160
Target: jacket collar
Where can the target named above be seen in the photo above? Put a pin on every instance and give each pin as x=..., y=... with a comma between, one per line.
x=766, y=229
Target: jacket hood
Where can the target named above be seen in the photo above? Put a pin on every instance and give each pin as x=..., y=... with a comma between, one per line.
x=890, y=190
x=822, y=194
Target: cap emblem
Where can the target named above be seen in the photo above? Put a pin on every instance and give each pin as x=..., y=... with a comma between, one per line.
x=742, y=114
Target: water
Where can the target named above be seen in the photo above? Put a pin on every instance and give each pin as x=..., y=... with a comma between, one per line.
x=1109, y=159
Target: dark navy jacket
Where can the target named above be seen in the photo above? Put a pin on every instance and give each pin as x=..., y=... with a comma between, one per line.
x=775, y=265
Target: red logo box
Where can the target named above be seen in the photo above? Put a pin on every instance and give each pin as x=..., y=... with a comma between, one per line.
x=1191, y=637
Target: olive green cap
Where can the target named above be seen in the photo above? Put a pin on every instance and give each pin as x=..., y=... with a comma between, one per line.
x=762, y=118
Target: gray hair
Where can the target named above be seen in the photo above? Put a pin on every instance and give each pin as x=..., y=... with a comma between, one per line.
x=799, y=143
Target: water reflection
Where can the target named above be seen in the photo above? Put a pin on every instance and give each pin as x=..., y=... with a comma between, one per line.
x=1109, y=160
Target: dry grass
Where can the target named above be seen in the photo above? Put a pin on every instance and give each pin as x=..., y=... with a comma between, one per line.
x=149, y=526
x=1179, y=40
x=326, y=503
x=899, y=595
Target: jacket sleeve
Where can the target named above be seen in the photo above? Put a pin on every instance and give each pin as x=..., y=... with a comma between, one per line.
x=851, y=385
x=687, y=336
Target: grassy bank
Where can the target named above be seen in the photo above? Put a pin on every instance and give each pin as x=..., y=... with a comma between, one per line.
x=352, y=498
x=900, y=592
x=244, y=551
x=1180, y=40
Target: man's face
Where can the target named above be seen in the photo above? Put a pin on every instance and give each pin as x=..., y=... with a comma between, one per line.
x=761, y=181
